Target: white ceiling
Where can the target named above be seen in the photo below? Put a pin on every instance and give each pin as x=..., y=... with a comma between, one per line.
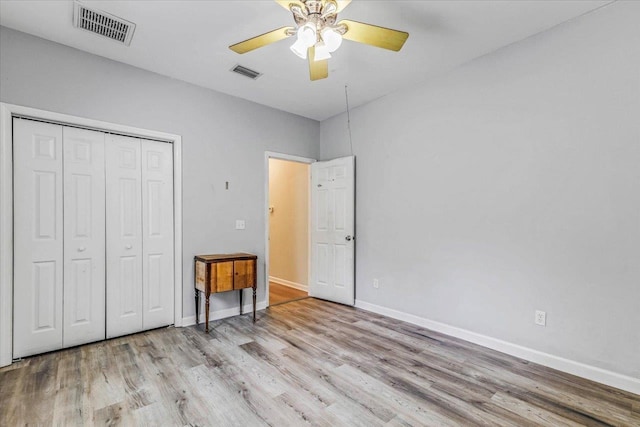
x=188, y=40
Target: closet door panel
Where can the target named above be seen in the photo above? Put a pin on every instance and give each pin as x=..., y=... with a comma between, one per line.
x=38, y=237
x=84, y=236
x=157, y=225
x=124, y=235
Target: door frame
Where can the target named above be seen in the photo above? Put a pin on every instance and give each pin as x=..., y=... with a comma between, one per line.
x=288, y=157
x=7, y=112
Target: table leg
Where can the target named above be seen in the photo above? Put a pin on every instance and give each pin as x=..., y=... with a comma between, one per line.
x=206, y=313
x=207, y=294
x=241, y=292
x=254, y=304
x=197, y=307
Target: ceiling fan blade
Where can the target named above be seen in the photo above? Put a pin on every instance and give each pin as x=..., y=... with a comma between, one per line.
x=287, y=3
x=342, y=4
x=261, y=40
x=373, y=35
x=317, y=69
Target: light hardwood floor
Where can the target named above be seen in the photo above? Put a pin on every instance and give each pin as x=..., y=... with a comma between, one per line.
x=279, y=294
x=308, y=362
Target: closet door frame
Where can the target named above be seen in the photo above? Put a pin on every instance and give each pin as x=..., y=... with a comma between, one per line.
x=7, y=112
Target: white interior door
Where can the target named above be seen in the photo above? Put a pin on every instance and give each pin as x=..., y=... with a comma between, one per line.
x=84, y=236
x=332, y=230
x=38, y=237
x=124, y=235
x=157, y=231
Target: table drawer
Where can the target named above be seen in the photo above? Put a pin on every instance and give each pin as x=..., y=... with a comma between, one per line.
x=244, y=274
x=222, y=276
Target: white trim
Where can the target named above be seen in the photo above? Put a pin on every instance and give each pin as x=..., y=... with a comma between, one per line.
x=273, y=155
x=247, y=309
x=289, y=283
x=6, y=236
x=177, y=231
x=593, y=373
x=7, y=111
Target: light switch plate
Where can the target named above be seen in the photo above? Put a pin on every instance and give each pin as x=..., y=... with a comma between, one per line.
x=240, y=224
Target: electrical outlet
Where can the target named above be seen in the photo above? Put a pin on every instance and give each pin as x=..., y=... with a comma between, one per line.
x=240, y=224
x=541, y=318
x=376, y=284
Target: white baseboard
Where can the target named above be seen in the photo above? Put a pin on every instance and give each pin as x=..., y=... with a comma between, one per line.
x=289, y=283
x=593, y=373
x=223, y=314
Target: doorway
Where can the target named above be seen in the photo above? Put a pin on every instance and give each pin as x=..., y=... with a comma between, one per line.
x=288, y=228
x=325, y=239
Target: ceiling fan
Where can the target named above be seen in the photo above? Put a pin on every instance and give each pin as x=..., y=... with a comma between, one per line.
x=318, y=34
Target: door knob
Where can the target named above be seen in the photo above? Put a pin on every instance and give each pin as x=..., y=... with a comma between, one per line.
x=348, y=238
x=82, y=249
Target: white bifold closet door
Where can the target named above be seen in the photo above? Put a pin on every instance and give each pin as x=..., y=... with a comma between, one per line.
x=59, y=287
x=124, y=235
x=139, y=235
x=157, y=234
x=84, y=237
x=37, y=236
x=93, y=236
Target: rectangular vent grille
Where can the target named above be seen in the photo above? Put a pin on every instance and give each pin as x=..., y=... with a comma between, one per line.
x=247, y=72
x=103, y=23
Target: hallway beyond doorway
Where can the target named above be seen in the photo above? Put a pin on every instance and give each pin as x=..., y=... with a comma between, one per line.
x=279, y=294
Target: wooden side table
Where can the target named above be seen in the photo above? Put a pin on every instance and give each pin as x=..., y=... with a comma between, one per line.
x=223, y=273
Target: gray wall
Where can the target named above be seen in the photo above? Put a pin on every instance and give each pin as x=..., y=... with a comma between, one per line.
x=508, y=185
x=223, y=138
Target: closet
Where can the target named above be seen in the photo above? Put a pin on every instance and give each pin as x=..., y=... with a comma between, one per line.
x=93, y=236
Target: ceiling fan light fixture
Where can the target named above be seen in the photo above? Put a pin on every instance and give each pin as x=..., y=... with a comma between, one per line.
x=307, y=35
x=300, y=49
x=331, y=39
x=321, y=52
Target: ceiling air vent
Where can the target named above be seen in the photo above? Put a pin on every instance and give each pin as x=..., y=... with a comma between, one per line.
x=247, y=72
x=103, y=23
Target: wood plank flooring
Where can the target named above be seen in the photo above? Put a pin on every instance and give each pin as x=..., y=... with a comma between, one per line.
x=279, y=294
x=308, y=362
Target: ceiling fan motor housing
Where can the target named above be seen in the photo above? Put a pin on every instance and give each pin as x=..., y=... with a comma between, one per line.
x=314, y=7
x=320, y=14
